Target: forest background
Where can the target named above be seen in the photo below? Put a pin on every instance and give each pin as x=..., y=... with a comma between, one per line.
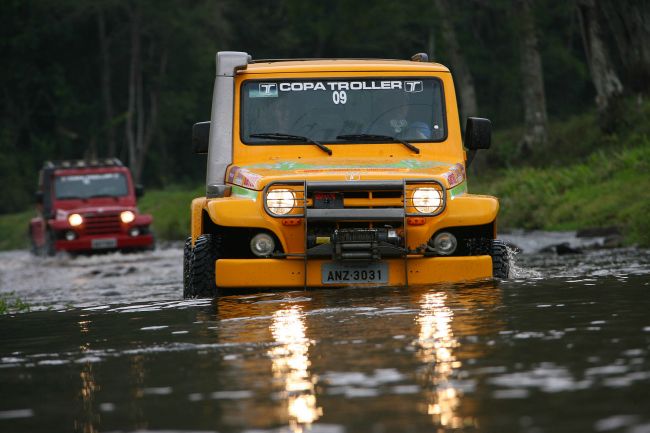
x=565, y=83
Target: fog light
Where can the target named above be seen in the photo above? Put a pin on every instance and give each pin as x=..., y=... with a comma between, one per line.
x=445, y=243
x=262, y=245
x=70, y=235
x=134, y=232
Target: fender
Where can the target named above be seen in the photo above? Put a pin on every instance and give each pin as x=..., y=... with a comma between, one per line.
x=467, y=210
x=245, y=212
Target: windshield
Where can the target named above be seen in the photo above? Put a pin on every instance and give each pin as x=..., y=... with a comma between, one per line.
x=90, y=185
x=410, y=109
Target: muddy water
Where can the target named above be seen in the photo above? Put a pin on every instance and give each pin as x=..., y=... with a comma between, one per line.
x=110, y=346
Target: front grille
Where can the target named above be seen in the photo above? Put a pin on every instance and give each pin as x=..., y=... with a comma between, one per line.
x=95, y=224
x=389, y=200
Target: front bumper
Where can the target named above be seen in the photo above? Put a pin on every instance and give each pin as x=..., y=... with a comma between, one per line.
x=121, y=242
x=288, y=273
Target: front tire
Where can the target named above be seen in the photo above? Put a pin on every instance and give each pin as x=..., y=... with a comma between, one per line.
x=187, y=258
x=500, y=260
x=201, y=282
x=48, y=249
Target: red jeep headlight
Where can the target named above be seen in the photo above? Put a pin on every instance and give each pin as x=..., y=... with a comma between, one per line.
x=127, y=216
x=75, y=219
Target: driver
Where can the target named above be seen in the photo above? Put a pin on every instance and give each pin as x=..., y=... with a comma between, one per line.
x=403, y=120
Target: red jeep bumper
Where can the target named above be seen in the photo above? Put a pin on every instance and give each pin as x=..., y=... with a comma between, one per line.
x=118, y=241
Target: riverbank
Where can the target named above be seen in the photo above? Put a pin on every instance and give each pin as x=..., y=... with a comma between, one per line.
x=608, y=189
x=582, y=178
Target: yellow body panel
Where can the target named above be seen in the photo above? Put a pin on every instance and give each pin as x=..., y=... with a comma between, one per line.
x=287, y=273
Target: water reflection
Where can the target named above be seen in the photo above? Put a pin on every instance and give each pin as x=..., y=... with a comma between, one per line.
x=290, y=364
x=89, y=419
x=436, y=348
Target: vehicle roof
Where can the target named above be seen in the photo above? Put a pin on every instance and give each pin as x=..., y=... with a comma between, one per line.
x=264, y=66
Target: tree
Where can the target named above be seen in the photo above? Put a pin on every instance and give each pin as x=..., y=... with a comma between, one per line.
x=462, y=74
x=534, y=99
x=606, y=81
x=105, y=74
x=629, y=24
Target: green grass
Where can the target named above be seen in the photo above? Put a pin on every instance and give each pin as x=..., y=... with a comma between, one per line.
x=13, y=230
x=610, y=188
x=10, y=303
x=170, y=208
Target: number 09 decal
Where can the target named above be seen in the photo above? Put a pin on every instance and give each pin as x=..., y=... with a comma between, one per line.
x=339, y=97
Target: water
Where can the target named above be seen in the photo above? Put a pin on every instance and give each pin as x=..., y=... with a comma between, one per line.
x=110, y=346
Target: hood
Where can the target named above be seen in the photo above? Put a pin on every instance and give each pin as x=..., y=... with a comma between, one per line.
x=256, y=176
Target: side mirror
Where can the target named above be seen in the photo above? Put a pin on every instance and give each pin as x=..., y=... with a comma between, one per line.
x=38, y=196
x=139, y=190
x=201, y=137
x=478, y=133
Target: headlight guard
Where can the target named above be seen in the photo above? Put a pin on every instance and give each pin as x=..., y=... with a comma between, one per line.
x=424, y=198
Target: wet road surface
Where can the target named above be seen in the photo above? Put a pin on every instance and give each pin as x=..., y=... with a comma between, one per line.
x=110, y=346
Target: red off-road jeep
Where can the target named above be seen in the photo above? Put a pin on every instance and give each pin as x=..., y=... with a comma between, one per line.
x=88, y=206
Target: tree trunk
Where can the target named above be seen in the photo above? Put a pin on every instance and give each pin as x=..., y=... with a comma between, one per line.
x=462, y=74
x=534, y=98
x=142, y=112
x=629, y=25
x=603, y=75
x=104, y=49
x=135, y=81
x=150, y=129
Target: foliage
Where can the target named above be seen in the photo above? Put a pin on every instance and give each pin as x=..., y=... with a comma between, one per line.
x=610, y=188
x=53, y=105
x=14, y=230
x=10, y=303
x=171, y=210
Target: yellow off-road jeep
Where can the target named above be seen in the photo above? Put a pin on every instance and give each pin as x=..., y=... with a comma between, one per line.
x=338, y=172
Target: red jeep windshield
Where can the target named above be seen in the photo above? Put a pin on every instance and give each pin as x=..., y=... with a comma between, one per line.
x=86, y=186
x=408, y=108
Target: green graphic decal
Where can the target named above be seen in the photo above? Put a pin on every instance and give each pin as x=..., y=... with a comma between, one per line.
x=458, y=190
x=238, y=191
x=293, y=166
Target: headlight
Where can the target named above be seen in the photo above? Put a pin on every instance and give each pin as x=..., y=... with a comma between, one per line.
x=280, y=201
x=127, y=216
x=427, y=200
x=75, y=219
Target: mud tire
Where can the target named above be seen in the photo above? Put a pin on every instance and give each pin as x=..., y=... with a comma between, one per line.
x=200, y=278
x=500, y=260
x=48, y=249
x=187, y=257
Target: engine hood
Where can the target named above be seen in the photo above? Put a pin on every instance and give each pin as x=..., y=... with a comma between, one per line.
x=256, y=176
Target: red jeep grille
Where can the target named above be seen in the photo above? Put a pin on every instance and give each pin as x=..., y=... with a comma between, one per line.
x=102, y=224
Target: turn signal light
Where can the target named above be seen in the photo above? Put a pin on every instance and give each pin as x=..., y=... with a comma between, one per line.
x=291, y=222
x=415, y=221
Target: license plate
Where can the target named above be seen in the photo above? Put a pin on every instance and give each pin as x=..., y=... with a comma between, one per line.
x=98, y=244
x=338, y=273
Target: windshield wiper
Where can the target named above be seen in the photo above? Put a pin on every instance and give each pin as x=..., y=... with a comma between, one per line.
x=291, y=137
x=378, y=138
